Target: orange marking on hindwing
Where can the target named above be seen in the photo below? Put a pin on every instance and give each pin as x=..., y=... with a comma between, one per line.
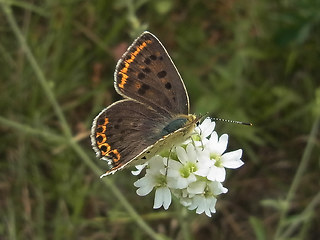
x=138, y=85
x=106, y=152
x=102, y=134
x=117, y=155
x=104, y=138
x=127, y=63
x=105, y=148
x=106, y=121
x=104, y=127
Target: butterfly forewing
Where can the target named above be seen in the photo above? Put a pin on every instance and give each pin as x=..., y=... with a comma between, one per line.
x=147, y=74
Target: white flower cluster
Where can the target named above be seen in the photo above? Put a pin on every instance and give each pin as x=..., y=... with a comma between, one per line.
x=193, y=172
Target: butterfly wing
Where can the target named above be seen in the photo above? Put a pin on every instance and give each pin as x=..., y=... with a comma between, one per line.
x=125, y=129
x=147, y=74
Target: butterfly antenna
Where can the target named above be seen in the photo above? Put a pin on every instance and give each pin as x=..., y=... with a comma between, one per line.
x=232, y=121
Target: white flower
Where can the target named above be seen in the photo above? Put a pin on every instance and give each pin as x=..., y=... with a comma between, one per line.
x=181, y=172
x=206, y=201
x=155, y=178
x=192, y=172
x=213, y=167
x=139, y=169
x=205, y=129
x=203, y=203
x=201, y=133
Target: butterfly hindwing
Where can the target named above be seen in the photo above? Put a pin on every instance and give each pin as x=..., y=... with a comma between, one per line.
x=116, y=131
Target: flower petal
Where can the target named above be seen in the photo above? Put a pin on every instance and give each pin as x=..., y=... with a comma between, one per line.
x=204, y=166
x=196, y=187
x=201, y=206
x=191, y=153
x=216, y=188
x=191, y=178
x=205, y=128
x=139, y=169
x=222, y=144
x=145, y=190
x=181, y=183
x=203, y=172
x=182, y=155
x=162, y=198
x=217, y=174
x=212, y=204
x=213, y=138
x=145, y=185
x=142, y=181
x=173, y=168
x=209, y=128
x=156, y=164
x=232, y=159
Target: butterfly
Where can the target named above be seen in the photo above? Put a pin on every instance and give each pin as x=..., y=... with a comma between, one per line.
x=154, y=113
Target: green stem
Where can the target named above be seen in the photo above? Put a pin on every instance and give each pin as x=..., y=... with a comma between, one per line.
x=309, y=211
x=29, y=130
x=25, y=5
x=36, y=68
x=298, y=177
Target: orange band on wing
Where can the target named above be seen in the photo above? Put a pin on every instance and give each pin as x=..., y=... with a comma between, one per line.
x=117, y=155
x=105, y=148
x=127, y=63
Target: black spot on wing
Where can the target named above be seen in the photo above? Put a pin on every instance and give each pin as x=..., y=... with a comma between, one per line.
x=99, y=139
x=168, y=85
x=141, y=75
x=161, y=74
x=103, y=148
x=142, y=90
x=146, y=70
x=147, y=61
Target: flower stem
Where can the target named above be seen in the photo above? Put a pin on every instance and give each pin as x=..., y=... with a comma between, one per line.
x=298, y=177
x=36, y=68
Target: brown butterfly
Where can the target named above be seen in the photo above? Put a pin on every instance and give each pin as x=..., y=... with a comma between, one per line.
x=154, y=114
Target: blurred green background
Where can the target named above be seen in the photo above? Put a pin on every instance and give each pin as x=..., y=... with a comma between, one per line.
x=253, y=61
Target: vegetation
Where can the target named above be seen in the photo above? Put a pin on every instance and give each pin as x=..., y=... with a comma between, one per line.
x=254, y=61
